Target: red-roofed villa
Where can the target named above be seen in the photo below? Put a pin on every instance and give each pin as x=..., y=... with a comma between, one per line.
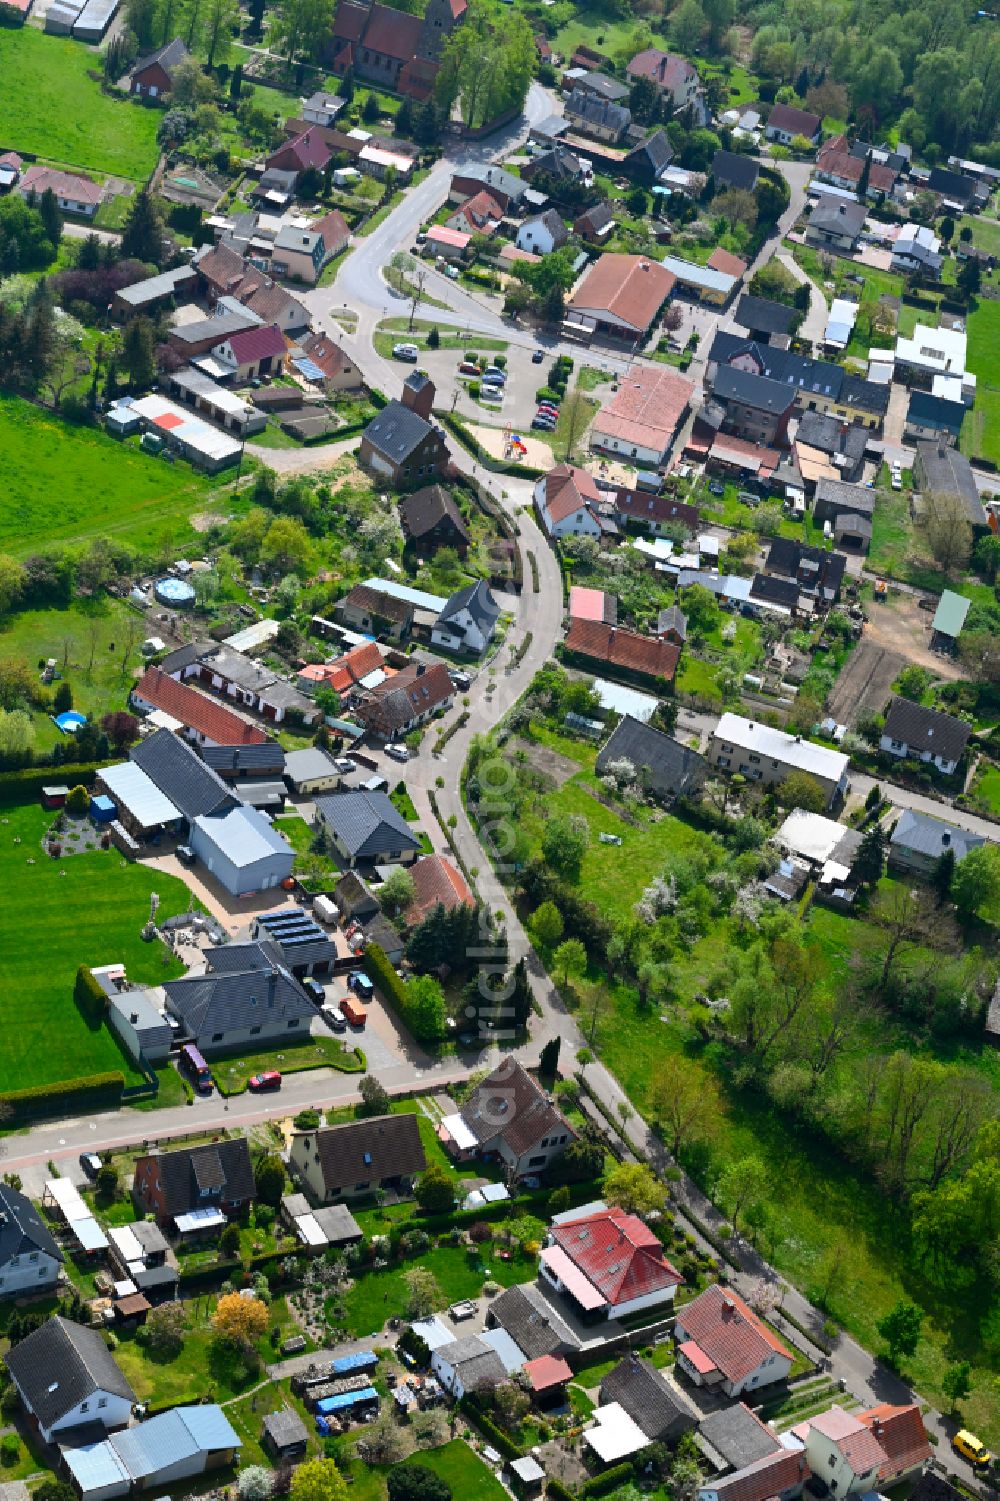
x=608, y=1265
x=722, y=1344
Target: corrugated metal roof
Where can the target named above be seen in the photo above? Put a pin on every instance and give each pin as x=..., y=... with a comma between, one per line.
x=129, y=785
x=243, y=835
x=96, y=1467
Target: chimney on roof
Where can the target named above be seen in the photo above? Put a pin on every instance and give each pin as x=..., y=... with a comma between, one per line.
x=419, y=397
x=946, y=839
x=133, y=1017
x=728, y=1309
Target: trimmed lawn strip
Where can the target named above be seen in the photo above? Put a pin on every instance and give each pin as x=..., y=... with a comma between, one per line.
x=231, y=1074
x=455, y=1462
x=57, y=915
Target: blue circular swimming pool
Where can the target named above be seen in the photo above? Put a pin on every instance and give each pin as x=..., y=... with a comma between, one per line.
x=174, y=592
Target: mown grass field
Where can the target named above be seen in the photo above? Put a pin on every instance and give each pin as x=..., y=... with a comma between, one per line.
x=69, y=484
x=68, y=635
x=51, y=107
x=981, y=429
x=455, y=1462
x=57, y=915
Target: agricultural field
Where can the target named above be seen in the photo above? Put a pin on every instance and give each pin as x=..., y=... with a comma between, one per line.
x=59, y=914
x=68, y=484
x=52, y=107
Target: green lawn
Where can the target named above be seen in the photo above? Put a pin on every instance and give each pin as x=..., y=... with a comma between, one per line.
x=981, y=429
x=698, y=678
x=614, y=875
x=202, y=1369
x=51, y=108
x=231, y=1074
x=985, y=232
x=57, y=915
x=98, y=685
x=68, y=484
x=460, y=1273
x=987, y=787
x=317, y=872
x=455, y=1462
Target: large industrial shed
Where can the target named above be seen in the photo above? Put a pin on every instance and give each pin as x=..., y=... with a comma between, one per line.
x=242, y=850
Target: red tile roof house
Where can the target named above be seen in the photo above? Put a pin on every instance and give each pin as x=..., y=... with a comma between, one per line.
x=723, y=1345
x=74, y=194
x=307, y=150
x=205, y=722
x=614, y=647
x=620, y=297
x=406, y=700
x=903, y=1437
x=840, y=1448
x=608, y=1265
x=565, y=499
x=435, y=880
x=777, y=1477
x=836, y=165
x=592, y=604
x=253, y=353
x=672, y=75
x=478, y=215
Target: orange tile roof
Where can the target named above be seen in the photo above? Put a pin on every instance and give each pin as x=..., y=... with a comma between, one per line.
x=856, y=1443
x=621, y=648
x=436, y=880
x=722, y=260
x=646, y=408
x=626, y=288
x=901, y=1433
x=764, y=1478
x=547, y=1371
x=195, y=710
x=567, y=489
x=729, y=1332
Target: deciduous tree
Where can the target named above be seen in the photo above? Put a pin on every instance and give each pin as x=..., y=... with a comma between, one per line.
x=900, y=1328
x=685, y=1100
x=240, y=1320
x=318, y=1480
x=634, y=1188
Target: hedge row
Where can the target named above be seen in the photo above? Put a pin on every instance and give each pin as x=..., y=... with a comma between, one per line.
x=394, y=990
x=91, y=1002
x=88, y=1092
x=491, y=1430
x=519, y=471
x=27, y=781
x=555, y=1488
x=611, y=1479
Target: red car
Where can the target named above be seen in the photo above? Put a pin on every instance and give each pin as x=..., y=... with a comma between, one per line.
x=270, y=1079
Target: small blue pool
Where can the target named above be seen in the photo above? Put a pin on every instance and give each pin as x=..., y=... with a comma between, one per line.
x=70, y=721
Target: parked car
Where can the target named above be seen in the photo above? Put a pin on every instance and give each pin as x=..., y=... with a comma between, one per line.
x=971, y=1448
x=334, y=1018
x=468, y=367
x=91, y=1163
x=345, y=765
x=313, y=989
x=493, y=372
x=397, y=752
x=408, y=352
x=538, y=357
x=269, y=1079
x=549, y=406
x=359, y=982
x=186, y=854
x=544, y=424
x=452, y=273
x=716, y=487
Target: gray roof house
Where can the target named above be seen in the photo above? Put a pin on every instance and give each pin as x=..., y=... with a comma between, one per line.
x=468, y=1365
x=181, y=775
x=217, y=1176
x=942, y=470
x=918, y=842
x=30, y=1259
x=926, y=734
x=401, y=446
x=650, y=1399
x=732, y=170
x=598, y=117
x=737, y=1437
x=672, y=622
x=663, y=765
x=67, y=1378
x=835, y=223
x=311, y=770
x=468, y=620
x=365, y=828
x=532, y=1322
x=511, y=1117
x=247, y=998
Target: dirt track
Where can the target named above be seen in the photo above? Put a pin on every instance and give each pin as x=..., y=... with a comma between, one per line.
x=897, y=633
x=863, y=686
